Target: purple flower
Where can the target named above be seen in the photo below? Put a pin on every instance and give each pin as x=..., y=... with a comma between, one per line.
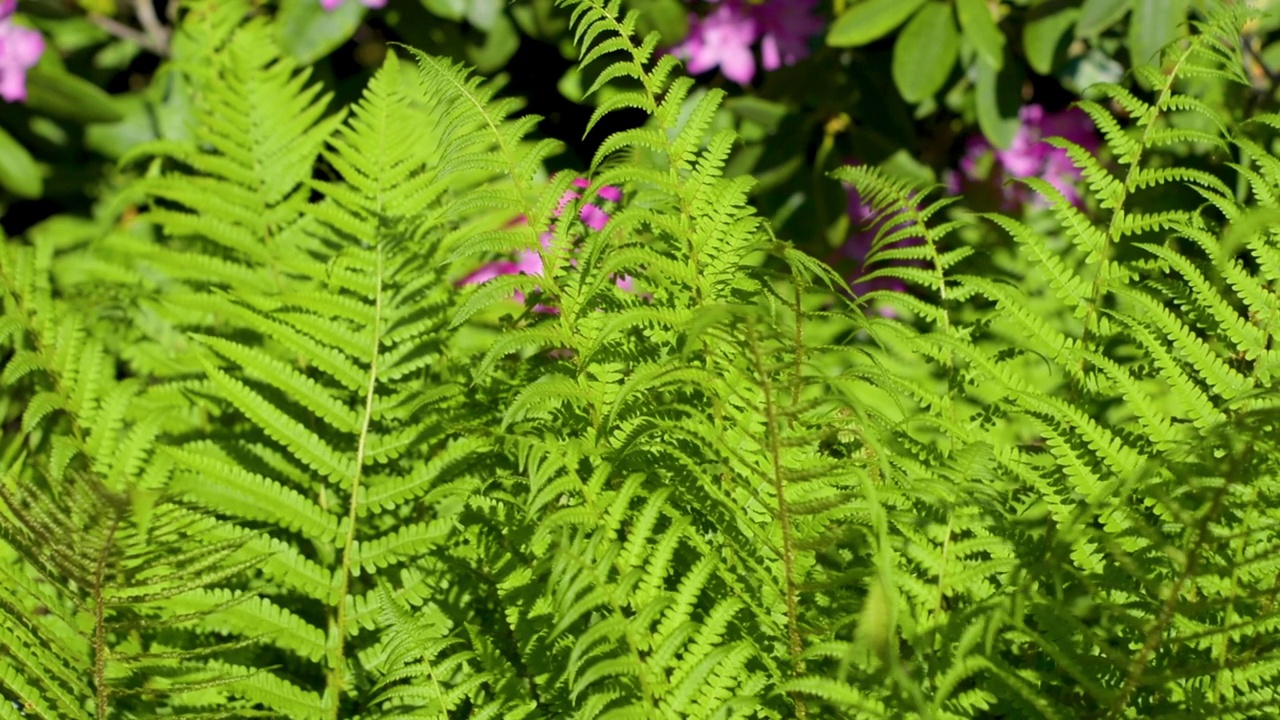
x=593, y=217
x=20, y=50
x=785, y=28
x=1029, y=156
x=331, y=5
x=529, y=262
x=724, y=38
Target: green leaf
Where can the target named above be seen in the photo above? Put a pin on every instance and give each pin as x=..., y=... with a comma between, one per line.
x=981, y=30
x=998, y=98
x=1098, y=15
x=308, y=33
x=869, y=21
x=63, y=95
x=570, y=85
x=1155, y=23
x=138, y=126
x=540, y=19
x=757, y=109
x=668, y=17
x=1045, y=39
x=1089, y=69
x=500, y=44
x=903, y=164
x=447, y=9
x=925, y=52
x=484, y=14
x=18, y=171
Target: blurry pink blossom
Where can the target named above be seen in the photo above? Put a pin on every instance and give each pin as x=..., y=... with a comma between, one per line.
x=721, y=39
x=785, y=29
x=724, y=37
x=1029, y=156
x=529, y=262
x=593, y=217
x=20, y=50
x=331, y=5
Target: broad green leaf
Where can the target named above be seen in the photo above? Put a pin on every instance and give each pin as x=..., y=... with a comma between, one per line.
x=541, y=20
x=307, y=32
x=869, y=21
x=138, y=126
x=570, y=85
x=447, y=9
x=669, y=17
x=981, y=30
x=173, y=112
x=1098, y=15
x=998, y=98
x=19, y=173
x=99, y=7
x=483, y=13
x=1045, y=38
x=500, y=43
x=63, y=95
x=757, y=109
x=1089, y=69
x=905, y=165
x=925, y=52
x=1155, y=23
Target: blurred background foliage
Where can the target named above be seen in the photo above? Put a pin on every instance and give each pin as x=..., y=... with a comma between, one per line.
x=914, y=86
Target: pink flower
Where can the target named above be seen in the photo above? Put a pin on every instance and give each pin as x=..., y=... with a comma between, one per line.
x=1030, y=156
x=331, y=5
x=20, y=50
x=724, y=38
x=786, y=27
x=593, y=217
x=529, y=262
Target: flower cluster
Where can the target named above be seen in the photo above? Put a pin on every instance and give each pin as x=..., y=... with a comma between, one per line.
x=20, y=50
x=1028, y=156
x=529, y=262
x=724, y=38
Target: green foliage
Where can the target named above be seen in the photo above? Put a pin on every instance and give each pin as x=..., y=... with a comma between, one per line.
x=281, y=465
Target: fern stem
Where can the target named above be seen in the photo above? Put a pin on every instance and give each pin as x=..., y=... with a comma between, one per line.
x=784, y=520
x=1103, y=277
x=101, y=691
x=797, y=378
x=337, y=657
x=1169, y=607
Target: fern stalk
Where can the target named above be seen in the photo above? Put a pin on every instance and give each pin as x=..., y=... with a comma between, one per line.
x=784, y=516
x=100, y=650
x=338, y=630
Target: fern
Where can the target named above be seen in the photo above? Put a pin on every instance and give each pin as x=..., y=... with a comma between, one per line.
x=287, y=468
x=1116, y=414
